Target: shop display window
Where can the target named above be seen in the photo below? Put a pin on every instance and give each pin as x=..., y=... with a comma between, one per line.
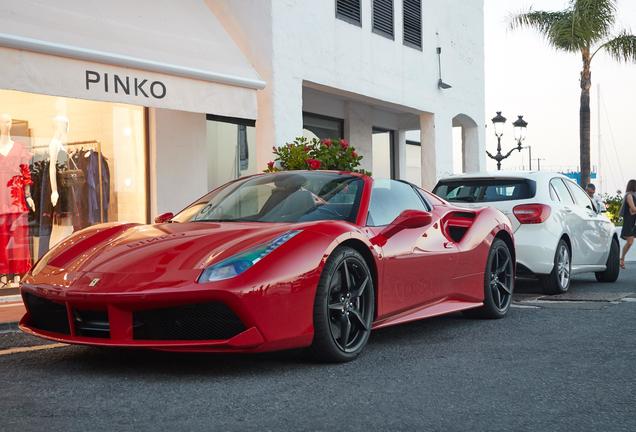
x=65, y=165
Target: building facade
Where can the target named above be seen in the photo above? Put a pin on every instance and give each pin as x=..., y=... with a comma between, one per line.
x=124, y=110
x=371, y=67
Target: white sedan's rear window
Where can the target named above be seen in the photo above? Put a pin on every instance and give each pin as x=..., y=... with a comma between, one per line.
x=485, y=190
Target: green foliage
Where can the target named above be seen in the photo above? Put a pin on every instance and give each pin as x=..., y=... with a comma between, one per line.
x=305, y=154
x=613, y=204
x=585, y=26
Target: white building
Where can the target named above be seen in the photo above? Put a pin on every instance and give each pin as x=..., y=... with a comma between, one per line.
x=351, y=60
x=177, y=97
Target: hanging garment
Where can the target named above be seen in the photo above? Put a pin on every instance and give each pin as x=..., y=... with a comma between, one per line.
x=69, y=203
x=92, y=182
x=10, y=169
x=15, y=252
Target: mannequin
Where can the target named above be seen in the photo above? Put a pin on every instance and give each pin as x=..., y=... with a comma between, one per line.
x=57, y=145
x=60, y=136
x=14, y=171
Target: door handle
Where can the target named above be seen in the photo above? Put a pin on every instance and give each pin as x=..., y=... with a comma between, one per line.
x=568, y=210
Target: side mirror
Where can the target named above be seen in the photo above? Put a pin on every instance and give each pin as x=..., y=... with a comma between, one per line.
x=163, y=218
x=408, y=219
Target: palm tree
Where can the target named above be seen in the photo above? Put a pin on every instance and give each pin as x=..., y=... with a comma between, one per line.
x=585, y=26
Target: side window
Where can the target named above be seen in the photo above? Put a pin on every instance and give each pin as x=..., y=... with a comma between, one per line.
x=389, y=198
x=582, y=199
x=562, y=191
x=553, y=194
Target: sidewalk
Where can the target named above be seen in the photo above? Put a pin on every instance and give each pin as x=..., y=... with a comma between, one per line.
x=11, y=310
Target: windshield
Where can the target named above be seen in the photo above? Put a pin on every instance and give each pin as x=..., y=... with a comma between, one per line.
x=281, y=197
x=485, y=190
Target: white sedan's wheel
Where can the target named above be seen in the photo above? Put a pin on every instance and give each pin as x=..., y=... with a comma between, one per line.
x=558, y=281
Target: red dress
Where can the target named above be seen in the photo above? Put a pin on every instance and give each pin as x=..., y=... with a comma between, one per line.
x=15, y=254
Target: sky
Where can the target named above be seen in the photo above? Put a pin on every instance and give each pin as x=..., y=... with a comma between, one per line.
x=525, y=76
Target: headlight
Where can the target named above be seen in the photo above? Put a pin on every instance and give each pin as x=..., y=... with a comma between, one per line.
x=237, y=264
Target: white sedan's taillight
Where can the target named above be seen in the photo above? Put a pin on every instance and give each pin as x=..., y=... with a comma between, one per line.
x=531, y=213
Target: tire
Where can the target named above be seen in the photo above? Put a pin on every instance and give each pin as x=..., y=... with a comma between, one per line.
x=612, y=266
x=345, y=299
x=499, y=281
x=558, y=281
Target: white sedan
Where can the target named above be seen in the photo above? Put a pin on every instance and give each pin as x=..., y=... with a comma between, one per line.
x=559, y=232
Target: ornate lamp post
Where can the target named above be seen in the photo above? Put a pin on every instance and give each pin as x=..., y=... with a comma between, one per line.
x=520, y=126
x=520, y=135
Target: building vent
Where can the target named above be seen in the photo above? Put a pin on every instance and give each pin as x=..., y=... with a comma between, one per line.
x=348, y=10
x=413, y=23
x=383, y=17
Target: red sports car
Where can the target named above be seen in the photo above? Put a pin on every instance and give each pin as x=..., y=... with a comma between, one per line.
x=274, y=261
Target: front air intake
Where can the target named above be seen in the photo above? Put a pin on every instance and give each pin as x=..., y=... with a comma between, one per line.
x=205, y=321
x=47, y=315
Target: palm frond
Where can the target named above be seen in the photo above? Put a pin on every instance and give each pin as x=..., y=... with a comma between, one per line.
x=554, y=26
x=621, y=48
x=592, y=20
x=542, y=21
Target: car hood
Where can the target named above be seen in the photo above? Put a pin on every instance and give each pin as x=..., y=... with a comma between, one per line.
x=142, y=250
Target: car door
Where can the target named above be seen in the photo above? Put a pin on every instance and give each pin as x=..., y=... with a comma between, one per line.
x=415, y=261
x=593, y=240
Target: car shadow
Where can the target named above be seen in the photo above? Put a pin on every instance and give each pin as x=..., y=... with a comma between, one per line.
x=122, y=362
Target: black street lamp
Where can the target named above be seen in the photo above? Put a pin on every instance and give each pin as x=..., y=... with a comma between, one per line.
x=520, y=126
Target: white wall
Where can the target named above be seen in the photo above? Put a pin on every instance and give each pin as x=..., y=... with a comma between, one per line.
x=178, y=159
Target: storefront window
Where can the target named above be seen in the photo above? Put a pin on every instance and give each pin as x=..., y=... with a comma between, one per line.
x=231, y=149
x=65, y=164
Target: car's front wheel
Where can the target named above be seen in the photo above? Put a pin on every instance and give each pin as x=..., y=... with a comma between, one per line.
x=558, y=281
x=344, y=307
x=499, y=280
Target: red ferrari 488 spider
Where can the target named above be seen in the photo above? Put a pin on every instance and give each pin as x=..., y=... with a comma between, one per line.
x=293, y=259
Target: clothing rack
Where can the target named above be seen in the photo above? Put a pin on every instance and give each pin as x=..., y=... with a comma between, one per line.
x=99, y=168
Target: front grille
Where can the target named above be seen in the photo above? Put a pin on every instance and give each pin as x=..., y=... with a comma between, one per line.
x=205, y=321
x=91, y=323
x=47, y=315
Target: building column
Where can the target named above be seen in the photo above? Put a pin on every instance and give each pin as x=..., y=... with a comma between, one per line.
x=401, y=154
x=359, y=132
x=471, y=155
x=429, y=150
x=280, y=117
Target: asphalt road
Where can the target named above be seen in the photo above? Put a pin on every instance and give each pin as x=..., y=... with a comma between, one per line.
x=565, y=364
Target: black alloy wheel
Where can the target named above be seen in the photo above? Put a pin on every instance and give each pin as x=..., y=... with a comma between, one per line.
x=344, y=307
x=499, y=281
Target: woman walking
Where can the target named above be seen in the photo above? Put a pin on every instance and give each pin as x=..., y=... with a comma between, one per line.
x=628, y=211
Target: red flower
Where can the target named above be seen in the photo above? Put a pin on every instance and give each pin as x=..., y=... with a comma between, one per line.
x=17, y=184
x=354, y=154
x=270, y=165
x=327, y=142
x=344, y=144
x=314, y=164
x=306, y=148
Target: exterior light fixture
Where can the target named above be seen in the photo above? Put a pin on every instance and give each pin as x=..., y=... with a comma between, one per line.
x=440, y=83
